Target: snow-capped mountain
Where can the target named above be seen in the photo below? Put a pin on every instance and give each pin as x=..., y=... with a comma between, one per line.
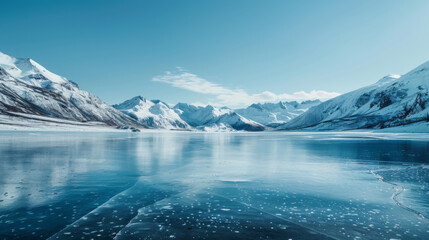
x=275, y=114
x=392, y=101
x=27, y=87
x=157, y=114
x=153, y=113
x=29, y=91
x=211, y=118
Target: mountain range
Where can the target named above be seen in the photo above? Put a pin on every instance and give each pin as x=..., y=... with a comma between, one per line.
x=31, y=95
x=157, y=114
x=275, y=114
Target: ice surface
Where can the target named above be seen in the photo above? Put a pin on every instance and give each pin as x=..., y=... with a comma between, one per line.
x=165, y=185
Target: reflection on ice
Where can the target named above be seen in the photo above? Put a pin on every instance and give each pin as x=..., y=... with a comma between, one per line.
x=211, y=186
x=111, y=216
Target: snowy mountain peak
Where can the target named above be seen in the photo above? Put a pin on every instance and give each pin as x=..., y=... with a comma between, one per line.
x=139, y=98
x=388, y=78
x=157, y=101
x=29, y=70
x=210, y=118
x=131, y=103
x=153, y=113
x=182, y=105
x=256, y=106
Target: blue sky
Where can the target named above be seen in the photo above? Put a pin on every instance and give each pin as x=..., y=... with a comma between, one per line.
x=221, y=52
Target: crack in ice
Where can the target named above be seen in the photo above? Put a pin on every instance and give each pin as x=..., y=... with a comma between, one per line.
x=147, y=206
x=93, y=211
x=398, y=189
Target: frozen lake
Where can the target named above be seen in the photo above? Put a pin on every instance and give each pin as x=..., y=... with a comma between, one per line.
x=178, y=185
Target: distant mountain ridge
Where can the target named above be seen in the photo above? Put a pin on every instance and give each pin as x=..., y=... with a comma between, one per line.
x=158, y=114
x=275, y=114
x=212, y=118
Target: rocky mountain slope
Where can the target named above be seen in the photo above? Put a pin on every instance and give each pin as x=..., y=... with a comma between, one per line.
x=391, y=102
x=27, y=87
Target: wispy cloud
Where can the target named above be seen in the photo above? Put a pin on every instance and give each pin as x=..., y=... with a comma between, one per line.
x=237, y=97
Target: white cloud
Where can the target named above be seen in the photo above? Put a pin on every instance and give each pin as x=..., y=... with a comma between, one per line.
x=238, y=97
